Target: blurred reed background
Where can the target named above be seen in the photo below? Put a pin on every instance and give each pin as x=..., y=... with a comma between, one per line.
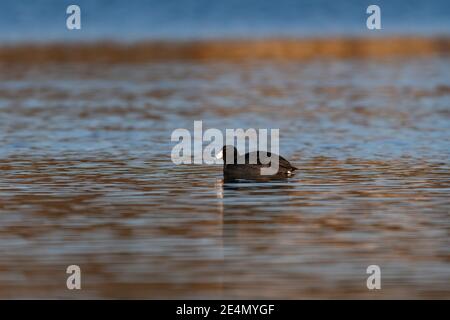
x=86, y=174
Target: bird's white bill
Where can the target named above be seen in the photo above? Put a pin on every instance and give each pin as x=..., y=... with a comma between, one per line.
x=219, y=155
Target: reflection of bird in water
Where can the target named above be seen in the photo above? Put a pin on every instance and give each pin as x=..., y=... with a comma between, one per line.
x=247, y=217
x=250, y=166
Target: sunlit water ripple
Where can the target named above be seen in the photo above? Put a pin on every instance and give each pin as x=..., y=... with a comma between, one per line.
x=86, y=179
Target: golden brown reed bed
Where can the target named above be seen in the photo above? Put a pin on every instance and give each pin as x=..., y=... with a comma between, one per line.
x=290, y=49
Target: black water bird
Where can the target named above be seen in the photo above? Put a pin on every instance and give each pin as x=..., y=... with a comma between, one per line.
x=249, y=165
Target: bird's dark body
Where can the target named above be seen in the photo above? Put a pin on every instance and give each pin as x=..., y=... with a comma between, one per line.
x=249, y=166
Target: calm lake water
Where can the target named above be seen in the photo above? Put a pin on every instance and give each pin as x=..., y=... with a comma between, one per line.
x=45, y=20
x=86, y=179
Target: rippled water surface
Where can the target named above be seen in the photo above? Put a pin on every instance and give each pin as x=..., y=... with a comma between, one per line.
x=86, y=179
